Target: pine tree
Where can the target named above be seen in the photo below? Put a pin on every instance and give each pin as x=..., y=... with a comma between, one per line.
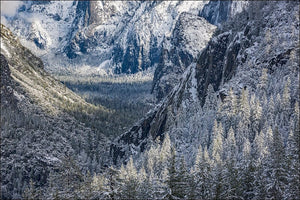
x=246, y=174
x=165, y=153
x=175, y=180
x=262, y=86
x=210, y=100
x=143, y=185
x=216, y=147
x=244, y=106
x=31, y=192
x=195, y=178
x=286, y=104
x=100, y=185
x=275, y=170
x=216, y=150
x=295, y=116
x=230, y=173
x=158, y=186
x=230, y=148
x=112, y=184
x=244, y=120
x=286, y=96
x=130, y=187
x=228, y=111
x=122, y=177
x=182, y=185
x=152, y=158
x=206, y=176
x=292, y=190
x=256, y=113
x=260, y=153
x=271, y=111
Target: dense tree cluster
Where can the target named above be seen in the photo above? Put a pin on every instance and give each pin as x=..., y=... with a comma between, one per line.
x=250, y=152
x=127, y=98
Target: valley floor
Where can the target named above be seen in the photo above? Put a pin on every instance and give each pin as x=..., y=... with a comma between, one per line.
x=126, y=96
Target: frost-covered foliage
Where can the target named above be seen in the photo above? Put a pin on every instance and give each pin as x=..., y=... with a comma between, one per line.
x=228, y=130
x=38, y=125
x=246, y=106
x=240, y=55
x=264, y=168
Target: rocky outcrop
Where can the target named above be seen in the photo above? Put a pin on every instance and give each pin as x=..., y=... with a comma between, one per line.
x=157, y=122
x=189, y=37
x=217, y=12
x=234, y=58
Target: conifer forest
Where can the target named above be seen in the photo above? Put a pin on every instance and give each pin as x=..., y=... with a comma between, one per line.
x=192, y=100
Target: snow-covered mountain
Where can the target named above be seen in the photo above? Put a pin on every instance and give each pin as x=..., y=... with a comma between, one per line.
x=254, y=54
x=227, y=75
x=108, y=36
x=102, y=36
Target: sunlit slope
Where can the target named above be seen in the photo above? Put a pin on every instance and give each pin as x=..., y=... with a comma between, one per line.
x=27, y=70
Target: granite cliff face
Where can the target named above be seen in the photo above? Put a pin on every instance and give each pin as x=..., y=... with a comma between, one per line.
x=247, y=46
x=217, y=12
x=242, y=76
x=103, y=36
x=189, y=37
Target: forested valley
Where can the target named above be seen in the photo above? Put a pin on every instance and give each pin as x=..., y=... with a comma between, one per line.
x=150, y=100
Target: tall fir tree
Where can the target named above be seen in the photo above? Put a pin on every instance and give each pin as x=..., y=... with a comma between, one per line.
x=292, y=190
x=230, y=174
x=130, y=187
x=275, y=169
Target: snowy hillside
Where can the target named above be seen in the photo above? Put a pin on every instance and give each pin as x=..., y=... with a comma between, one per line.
x=38, y=127
x=243, y=89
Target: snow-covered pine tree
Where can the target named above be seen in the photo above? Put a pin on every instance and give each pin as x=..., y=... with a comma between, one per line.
x=292, y=190
x=183, y=180
x=216, y=146
x=211, y=100
x=165, y=153
x=275, y=173
x=244, y=120
x=255, y=117
x=246, y=172
x=130, y=187
x=216, y=150
x=113, y=183
x=260, y=153
x=174, y=180
x=228, y=110
x=263, y=82
x=143, y=185
x=230, y=173
x=31, y=192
